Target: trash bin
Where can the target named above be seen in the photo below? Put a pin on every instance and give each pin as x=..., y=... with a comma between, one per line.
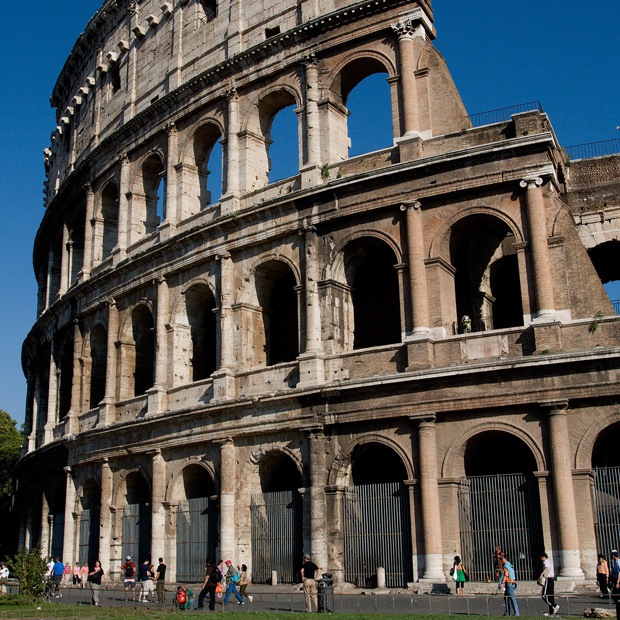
x=325, y=587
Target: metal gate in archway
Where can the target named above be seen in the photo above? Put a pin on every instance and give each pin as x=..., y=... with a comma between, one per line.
x=277, y=536
x=196, y=537
x=57, y=536
x=500, y=510
x=377, y=533
x=137, y=532
x=607, y=508
x=88, y=546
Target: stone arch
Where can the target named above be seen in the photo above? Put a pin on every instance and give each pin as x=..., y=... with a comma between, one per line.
x=147, y=209
x=175, y=479
x=97, y=357
x=479, y=245
x=371, y=293
x=263, y=455
x=340, y=473
x=109, y=201
x=452, y=464
x=89, y=492
x=255, y=137
x=601, y=421
x=120, y=484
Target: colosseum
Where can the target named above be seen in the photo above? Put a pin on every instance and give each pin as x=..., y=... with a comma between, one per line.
x=382, y=360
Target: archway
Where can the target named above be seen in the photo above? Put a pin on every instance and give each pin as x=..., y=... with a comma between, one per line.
x=109, y=214
x=376, y=529
x=196, y=528
x=55, y=499
x=275, y=289
x=136, y=541
x=499, y=505
x=605, y=258
x=98, y=364
x=200, y=305
x=277, y=522
x=143, y=328
x=88, y=543
x=370, y=271
x=486, y=280
x=208, y=158
x=606, y=465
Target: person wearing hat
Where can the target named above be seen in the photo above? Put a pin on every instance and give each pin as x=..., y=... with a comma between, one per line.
x=129, y=577
x=309, y=575
x=232, y=576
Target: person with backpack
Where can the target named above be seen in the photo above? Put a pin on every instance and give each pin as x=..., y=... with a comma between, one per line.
x=128, y=570
x=508, y=580
x=614, y=581
x=232, y=577
x=184, y=598
x=213, y=576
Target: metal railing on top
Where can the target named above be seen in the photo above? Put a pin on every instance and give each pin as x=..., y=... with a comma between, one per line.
x=502, y=114
x=594, y=149
x=616, y=304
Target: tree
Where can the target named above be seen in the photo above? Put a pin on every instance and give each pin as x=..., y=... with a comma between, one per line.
x=10, y=450
x=29, y=568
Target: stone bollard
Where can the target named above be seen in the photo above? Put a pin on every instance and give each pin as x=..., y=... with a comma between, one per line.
x=274, y=577
x=381, y=577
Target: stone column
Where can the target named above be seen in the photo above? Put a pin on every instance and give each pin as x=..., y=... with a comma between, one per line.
x=46, y=528
x=72, y=424
x=313, y=154
x=417, y=270
x=50, y=279
x=36, y=409
x=157, y=395
x=65, y=260
x=168, y=227
x=52, y=399
x=318, y=512
x=230, y=200
x=562, y=479
x=224, y=377
x=158, y=515
x=107, y=412
x=105, y=518
x=228, y=545
x=88, y=232
x=124, y=228
x=406, y=30
x=429, y=500
x=311, y=364
x=68, y=543
x=537, y=220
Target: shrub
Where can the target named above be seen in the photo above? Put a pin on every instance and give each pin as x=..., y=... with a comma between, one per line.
x=29, y=568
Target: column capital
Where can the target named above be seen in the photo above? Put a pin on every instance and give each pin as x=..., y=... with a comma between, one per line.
x=424, y=418
x=88, y=188
x=531, y=181
x=231, y=94
x=554, y=407
x=413, y=204
x=170, y=128
x=310, y=61
x=222, y=255
x=409, y=28
x=111, y=302
x=123, y=159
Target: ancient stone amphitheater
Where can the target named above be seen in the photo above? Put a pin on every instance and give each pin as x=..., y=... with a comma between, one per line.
x=382, y=360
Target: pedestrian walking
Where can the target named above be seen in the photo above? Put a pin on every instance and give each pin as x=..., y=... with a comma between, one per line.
x=602, y=575
x=95, y=577
x=615, y=581
x=243, y=583
x=309, y=575
x=547, y=581
x=508, y=580
x=67, y=574
x=84, y=574
x=128, y=569
x=77, y=575
x=145, y=580
x=232, y=577
x=213, y=577
x=160, y=581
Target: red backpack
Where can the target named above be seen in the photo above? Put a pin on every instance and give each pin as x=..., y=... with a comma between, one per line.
x=182, y=596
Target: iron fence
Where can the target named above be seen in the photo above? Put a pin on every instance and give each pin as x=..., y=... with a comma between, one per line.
x=607, y=508
x=593, y=149
x=502, y=114
x=196, y=537
x=88, y=545
x=137, y=532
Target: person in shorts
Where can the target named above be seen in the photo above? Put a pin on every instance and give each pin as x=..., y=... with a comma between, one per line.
x=129, y=577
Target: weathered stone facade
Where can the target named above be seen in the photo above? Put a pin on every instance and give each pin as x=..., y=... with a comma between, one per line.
x=302, y=336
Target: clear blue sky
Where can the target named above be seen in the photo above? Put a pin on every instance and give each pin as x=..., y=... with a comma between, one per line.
x=565, y=55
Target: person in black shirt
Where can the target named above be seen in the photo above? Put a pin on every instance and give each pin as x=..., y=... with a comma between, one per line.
x=160, y=581
x=94, y=578
x=213, y=576
x=309, y=574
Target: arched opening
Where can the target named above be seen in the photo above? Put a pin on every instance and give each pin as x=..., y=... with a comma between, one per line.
x=137, y=518
x=283, y=147
x=369, y=104
x=486, y=279
x=275, y=287
x=606, y=465
x=208, y=157
x=98, y=364
x=277, y=520
x=370, y=268
x=153, y=186
x=109, y=215
x=377, y=518
x=55, y=498
x=606, y=260
x=64, y=366
x=76, y=246
x=197, y=516
x=200, y=305
x=88, y=544
x=143, y=330
x=500, y=505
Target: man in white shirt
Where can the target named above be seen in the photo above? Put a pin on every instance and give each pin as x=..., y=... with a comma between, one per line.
x=547, y=581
